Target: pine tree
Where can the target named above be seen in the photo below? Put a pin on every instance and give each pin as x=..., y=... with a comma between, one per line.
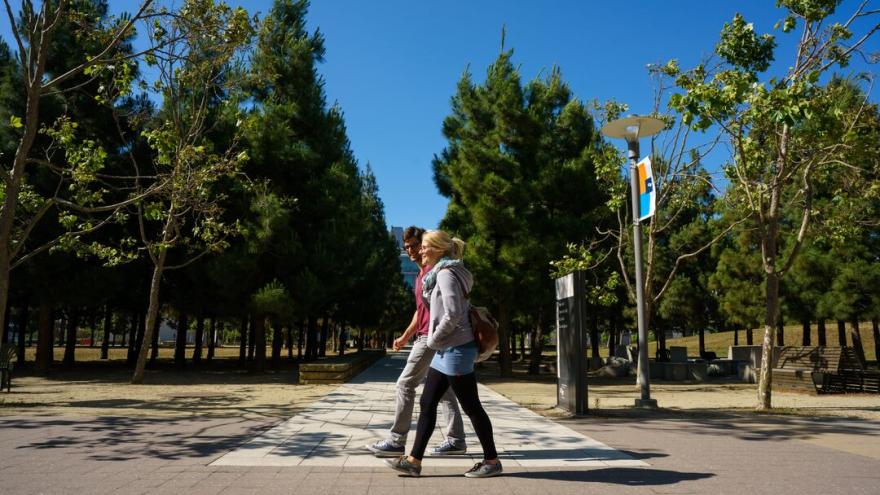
x=519, y=172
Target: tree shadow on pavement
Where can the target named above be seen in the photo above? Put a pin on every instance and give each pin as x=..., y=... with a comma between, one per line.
x=122, y=439
x=745, y=426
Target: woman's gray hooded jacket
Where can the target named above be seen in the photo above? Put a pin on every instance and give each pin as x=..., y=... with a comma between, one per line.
x=450, y=325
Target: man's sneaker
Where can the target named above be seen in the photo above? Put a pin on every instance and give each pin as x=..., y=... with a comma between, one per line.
x=385, y=448
x=401, y=464
x=484, y=470
x=447, y=448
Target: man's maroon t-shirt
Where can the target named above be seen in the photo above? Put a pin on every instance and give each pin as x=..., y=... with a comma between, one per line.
x=423, y=313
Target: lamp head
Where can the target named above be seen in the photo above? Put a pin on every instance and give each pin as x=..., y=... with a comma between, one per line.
x=632, y=128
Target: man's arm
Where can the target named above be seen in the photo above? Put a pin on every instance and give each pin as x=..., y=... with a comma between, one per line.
x=407, y=334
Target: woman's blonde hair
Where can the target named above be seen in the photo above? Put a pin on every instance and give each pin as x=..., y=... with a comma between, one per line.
x=453, y=247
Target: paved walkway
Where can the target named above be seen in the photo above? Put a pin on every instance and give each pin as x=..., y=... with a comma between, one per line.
x=318, y=452
x=334, y=431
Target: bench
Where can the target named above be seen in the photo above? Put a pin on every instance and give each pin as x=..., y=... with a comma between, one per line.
x=823, y=370
x=337, y=369
x=798, y=369
x=8, y=355
x=851, y=376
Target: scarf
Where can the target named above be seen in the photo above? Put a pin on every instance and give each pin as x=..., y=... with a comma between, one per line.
x=430, y=279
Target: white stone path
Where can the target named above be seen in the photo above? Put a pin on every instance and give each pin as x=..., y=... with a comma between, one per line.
x=334, y=431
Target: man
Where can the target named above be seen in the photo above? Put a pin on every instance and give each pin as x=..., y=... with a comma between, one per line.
x=415, y=370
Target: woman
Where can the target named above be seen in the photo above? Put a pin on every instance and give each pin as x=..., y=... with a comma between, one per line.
x=446, y=289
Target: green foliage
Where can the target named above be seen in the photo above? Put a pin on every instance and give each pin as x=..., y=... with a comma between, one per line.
x=741, y=47
x=273, y=299
x=520, y=171
x=603, y=292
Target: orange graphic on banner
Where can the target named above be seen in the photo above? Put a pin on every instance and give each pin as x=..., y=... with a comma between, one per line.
x=642, y=176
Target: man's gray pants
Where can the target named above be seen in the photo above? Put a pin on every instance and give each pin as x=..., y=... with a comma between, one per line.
x=413, y=373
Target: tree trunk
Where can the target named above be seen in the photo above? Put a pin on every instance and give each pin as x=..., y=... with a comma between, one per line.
x=259, y=343
x=70, y=344
x=612, y=336
x=537, y=348
x=361, y=338
x=154, y=344
x=594, y=341
x=841, y=333
x=505, y=365
x=141, y=321
x=806, y=339
x=820, y=330
x=736, y=335
x=856, y=337
x=661, y=340
x=45, y=329
x=702, y=338
x=23, y=320
x=290, y=341
x=343, y=338
x=311, y=338
x=92, y=335
x=522, y=345
x=322, y=345
x=150, y=333
x=750, y=338
x=252, y=337
x=13, y=178
x=7, y=320
x=765, y=382
x=513, y=356
x=876, y=331
x=132, y=338
x=243, y=339
x=780, y=332
x=108, y=325
x=212, y=338
x=61, y=331
x=277, y=344
x=299, y=341
x=200, y=334
x=180, y=345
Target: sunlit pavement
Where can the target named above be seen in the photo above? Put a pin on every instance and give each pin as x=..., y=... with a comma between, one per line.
x=334, y=431
x=320, y=450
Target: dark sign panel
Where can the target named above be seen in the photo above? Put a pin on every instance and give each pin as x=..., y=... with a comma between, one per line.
x=571, y=355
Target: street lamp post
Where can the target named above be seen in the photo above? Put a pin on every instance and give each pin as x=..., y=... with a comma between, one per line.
x=632, y=128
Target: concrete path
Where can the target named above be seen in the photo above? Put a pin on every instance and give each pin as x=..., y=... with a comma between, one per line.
x=626, y=452
x=334, y=431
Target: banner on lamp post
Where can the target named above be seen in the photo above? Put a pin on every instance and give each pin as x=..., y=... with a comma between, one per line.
x=647, y=191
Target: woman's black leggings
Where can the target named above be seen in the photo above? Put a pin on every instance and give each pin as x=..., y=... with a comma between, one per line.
x=465, y=389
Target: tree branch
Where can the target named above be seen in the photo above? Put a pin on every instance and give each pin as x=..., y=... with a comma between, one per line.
x=683, y=257
x=116, y=206
x=22, y=53
x=55, y=242
x=97, y=59
x=27, y=232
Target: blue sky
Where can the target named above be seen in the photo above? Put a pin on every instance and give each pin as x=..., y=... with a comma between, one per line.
x=392, y=65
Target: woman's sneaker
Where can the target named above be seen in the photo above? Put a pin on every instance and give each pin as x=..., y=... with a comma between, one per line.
x=384, y=448
x=484, y=470
x=446, y=448
x=401, y=464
